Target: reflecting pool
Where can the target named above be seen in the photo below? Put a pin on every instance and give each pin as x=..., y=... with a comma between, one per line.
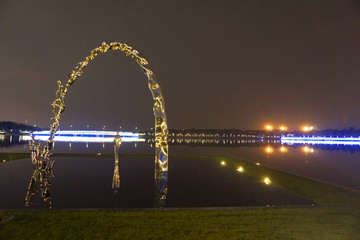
x=84, y=182
x=197, y=177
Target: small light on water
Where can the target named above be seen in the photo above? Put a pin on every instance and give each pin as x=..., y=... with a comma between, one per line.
x=307, y=149
x=267, y=181
x=283, y=149
x=240, y=169
x=269, y=150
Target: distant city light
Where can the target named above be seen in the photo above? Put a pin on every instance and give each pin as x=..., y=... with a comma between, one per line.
x=267, y=181
x=269, y=127
x=240, y=169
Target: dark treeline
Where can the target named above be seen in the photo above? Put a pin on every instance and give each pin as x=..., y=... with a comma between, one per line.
x=14, y=127
x=263, y=133
x=220, y=132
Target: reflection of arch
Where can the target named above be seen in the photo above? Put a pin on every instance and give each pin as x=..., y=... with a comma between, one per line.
x=161, y=128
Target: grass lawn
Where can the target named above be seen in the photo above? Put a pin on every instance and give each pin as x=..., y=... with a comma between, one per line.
x=335, y=216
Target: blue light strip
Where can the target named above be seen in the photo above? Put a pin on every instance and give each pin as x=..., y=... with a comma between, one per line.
x=321, y=140
x=88, y=136
x=81, y=133
x=89, y=139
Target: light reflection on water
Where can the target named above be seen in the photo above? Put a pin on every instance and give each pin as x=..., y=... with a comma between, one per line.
x=337, y=164
x=83, y=182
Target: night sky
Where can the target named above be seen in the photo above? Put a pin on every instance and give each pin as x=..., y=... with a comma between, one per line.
x=221, y=64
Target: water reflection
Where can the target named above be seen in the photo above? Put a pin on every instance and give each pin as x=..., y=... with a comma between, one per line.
x=324, y=162
x=42, y=174
x=270, y=145
x=116, y=177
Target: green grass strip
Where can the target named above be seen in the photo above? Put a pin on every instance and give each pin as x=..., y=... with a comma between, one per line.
x=336, y=217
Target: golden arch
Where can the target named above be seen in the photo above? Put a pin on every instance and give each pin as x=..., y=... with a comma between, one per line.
x=41, y=159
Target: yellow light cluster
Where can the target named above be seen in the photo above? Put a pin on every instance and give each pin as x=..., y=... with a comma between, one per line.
x=306, y=128
x=240, y=169
x=270, y=127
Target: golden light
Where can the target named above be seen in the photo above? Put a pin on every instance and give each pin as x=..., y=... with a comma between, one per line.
x=283, y=128
x=307, y=128
x=283, y=149
x=269, y=149
x=223, y=163
x=269, y=127
x=267, y=181
x=240, y=169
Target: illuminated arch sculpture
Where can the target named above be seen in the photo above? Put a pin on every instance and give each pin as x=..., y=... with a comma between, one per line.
x=41, y=159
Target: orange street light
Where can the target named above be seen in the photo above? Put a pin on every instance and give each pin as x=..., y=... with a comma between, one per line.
x=307, y=128
x=269, y=127
x=283, y=128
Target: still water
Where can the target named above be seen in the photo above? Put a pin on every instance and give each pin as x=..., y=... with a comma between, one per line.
x=85, y=182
